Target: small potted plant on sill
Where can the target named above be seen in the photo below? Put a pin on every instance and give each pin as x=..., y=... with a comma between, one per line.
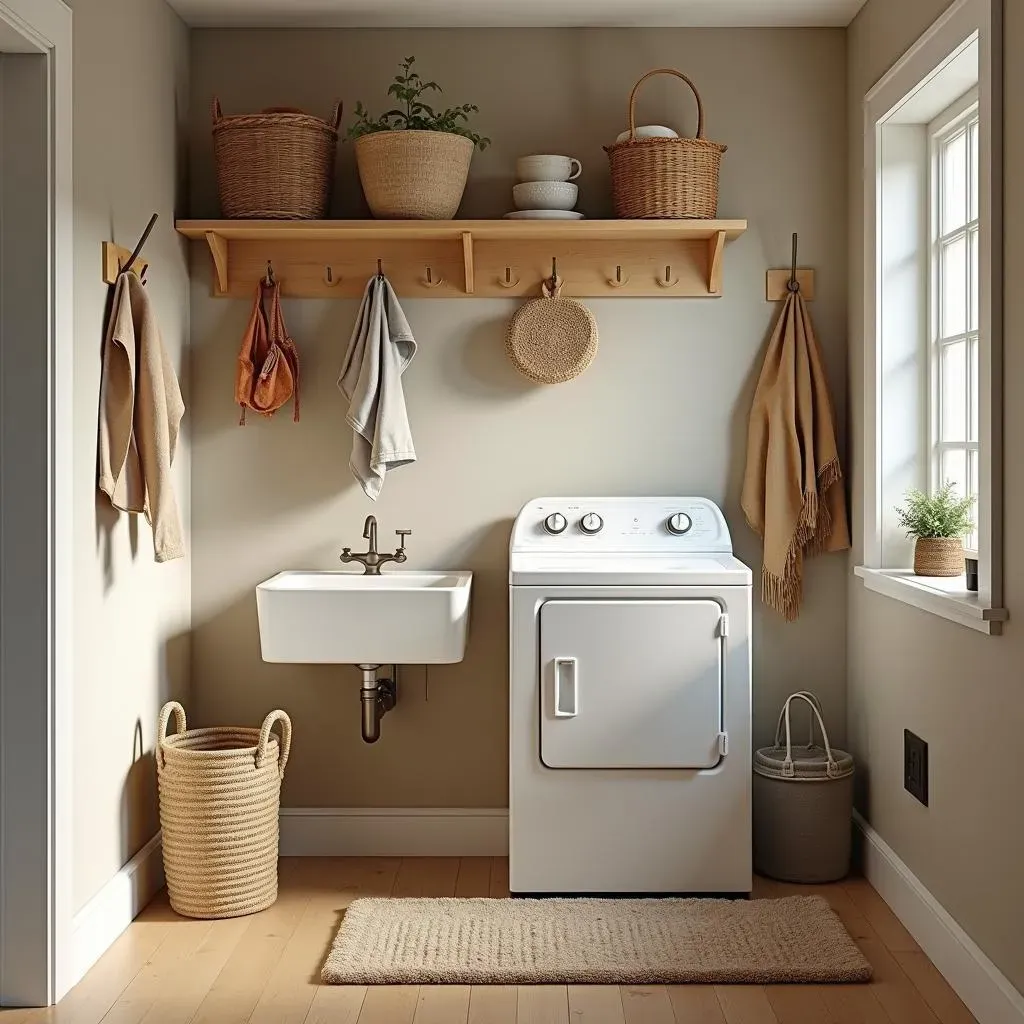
x=940, y=522
x=413, y=161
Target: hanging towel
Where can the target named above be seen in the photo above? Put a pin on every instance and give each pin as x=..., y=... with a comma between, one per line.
x=792, y=490
x=381, y=348
x=140, y=411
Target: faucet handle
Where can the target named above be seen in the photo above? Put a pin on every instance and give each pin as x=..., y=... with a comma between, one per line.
x=402, y=534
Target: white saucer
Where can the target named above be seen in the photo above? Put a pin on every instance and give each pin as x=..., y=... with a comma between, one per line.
x=544, y=215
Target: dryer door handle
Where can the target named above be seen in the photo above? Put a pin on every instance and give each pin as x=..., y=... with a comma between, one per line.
x=566, y=685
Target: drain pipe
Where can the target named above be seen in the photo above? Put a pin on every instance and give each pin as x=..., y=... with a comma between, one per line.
x=378, y=697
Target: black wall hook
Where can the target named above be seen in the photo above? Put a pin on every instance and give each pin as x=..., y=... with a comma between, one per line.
x=793, y=284
x=142, y=241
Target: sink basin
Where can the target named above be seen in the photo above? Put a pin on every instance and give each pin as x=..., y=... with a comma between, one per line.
x=344, y=618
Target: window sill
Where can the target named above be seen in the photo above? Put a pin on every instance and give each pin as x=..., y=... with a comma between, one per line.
x=945, y=597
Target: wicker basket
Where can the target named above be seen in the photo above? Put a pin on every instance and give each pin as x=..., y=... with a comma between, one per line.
x=277, y=165
x=668, y=178
x=413, y=175
x=803, y=804
x=220, y=793
x=939, y=556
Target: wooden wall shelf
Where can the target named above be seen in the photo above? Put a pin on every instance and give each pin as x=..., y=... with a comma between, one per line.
x=469, y=258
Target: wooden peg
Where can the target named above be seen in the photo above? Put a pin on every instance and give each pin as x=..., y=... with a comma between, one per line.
x=430, y=282
x=618, y=281
x=669, y=281
x=508, y=281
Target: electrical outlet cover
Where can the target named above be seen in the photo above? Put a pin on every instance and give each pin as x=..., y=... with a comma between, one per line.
x=915, y=766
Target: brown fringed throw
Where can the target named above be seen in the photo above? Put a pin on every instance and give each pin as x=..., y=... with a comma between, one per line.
x=792, y=489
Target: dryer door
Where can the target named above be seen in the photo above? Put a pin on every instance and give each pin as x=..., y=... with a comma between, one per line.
x=631, y=683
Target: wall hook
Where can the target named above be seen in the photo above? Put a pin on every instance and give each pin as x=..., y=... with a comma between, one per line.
x=554, y=272
x=668, y=281
x=507, y=281
x=269, y=280
x=430, y=282
x=380, y=272
x=793, y=285
x=618, y=281
x=329, y=279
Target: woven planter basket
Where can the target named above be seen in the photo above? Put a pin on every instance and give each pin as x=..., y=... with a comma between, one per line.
x=220, y=793
x=939, y=556
x=803, y=804
x=551, y=340
x=276, y=165
x=413, y=175
x=667, y=178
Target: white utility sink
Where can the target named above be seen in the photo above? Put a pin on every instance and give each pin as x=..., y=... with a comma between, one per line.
x=344, y=618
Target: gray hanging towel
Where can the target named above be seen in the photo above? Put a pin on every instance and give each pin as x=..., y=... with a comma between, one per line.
x=381, y=348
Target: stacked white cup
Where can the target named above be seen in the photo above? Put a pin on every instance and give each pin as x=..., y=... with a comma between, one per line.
x=546, y=187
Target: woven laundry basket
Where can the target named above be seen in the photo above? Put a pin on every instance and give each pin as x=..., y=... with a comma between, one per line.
x=803, y=804
x=277, y=165
x=220, y=793
x=668, y=178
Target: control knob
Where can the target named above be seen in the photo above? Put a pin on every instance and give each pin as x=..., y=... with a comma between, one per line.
x=591, y=523
x=555, y=523
x=679, y=523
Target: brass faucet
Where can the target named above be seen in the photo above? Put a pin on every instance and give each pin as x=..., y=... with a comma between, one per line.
x=372, y=560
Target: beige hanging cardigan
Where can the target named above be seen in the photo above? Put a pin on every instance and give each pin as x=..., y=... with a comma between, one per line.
x=792, y=490
x=140, y=411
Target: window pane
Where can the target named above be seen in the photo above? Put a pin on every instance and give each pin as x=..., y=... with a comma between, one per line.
x=974, y=282
x=953, y=403
x=953, y=287
x=954, y=467
x=973, y=144
x=973, y=462
x=972, y=372
x=954, y=183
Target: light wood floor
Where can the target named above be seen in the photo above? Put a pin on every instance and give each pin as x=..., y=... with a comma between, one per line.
x=168, y=970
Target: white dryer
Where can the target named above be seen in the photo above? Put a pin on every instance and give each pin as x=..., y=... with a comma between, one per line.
x=629, y=727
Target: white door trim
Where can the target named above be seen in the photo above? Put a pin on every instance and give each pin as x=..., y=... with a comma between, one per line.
x=45, y=27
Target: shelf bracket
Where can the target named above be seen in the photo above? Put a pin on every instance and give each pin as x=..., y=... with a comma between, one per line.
x=219, y=251
x=716, y=249
x=467, y=260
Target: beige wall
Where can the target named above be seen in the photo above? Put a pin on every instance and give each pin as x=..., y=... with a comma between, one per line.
x=131, y=615
x=662, y=410
x=960, y=690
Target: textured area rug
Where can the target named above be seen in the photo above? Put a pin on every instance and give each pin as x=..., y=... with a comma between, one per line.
x=592, y=941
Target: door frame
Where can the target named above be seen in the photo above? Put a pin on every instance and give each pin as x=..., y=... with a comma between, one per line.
x=36, y=730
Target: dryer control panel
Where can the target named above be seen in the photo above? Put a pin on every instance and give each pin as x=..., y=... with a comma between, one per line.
x=580, y=525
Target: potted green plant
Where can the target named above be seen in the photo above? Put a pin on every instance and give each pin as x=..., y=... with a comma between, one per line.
x=939, y=521
x=413, y=161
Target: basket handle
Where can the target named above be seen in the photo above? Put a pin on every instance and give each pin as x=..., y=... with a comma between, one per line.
x=810, y=739
x=217, y=112
x=336, y=114
x=286, y=740
x=665, y=71
x=832, y=770
x=171, y=707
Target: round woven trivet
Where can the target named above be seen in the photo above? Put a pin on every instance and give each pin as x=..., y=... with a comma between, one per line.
x=551, y=339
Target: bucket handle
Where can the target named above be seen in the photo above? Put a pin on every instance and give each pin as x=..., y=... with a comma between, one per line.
x=286, y=740
x=665, y=71
x=788, y=771
x=171, y=707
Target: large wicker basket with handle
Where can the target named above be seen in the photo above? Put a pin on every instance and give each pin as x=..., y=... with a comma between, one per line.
x=668, y=178
x=220, y=793
x=803, y=803
x=276, y=165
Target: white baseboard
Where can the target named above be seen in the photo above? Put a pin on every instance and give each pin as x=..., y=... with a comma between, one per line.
x=985, y=990
x=115, y=906
x=394, y=832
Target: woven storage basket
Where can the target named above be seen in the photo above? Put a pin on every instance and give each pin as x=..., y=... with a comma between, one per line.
x=939, y=556
x=220, y=792
x=276, y=165
x=414, y=175
x=669, y=178
x=551, y=340
x=803, y=804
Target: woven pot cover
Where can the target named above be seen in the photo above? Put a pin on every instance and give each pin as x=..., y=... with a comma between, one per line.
x=551, y=339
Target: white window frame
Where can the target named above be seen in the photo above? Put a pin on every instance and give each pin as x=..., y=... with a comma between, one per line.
x=965, y=23
x=960, y=115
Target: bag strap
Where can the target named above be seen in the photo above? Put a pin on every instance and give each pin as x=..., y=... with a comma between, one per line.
x=788, y=770
x=817, y=703
x=262, y=748
x=279, y=335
